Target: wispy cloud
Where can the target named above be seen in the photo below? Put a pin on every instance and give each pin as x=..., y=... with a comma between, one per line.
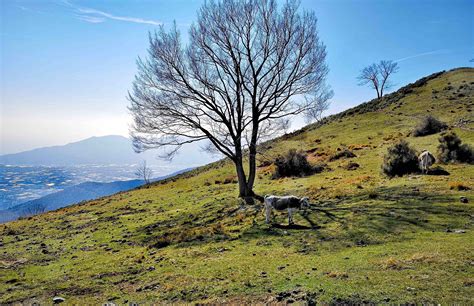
x=97, y=16
x=90, y=19
x=434, y=52
x=27, y=9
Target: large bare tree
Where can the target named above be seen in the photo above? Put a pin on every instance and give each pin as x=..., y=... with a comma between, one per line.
x=246, y=70
x=377, y=75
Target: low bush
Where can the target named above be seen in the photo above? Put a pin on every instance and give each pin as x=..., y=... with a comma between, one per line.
x=400, y=159
x=356, y=147
x=451, y=149
x=458, y=186
x=372, y=194
x=294, y=163
x=428, y=126
x=265, y=163
x=230, y=180
x=351, y=166
x=320, y=167
x=342, y=154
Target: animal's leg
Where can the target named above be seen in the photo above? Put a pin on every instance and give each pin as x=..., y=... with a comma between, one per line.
x=290, y=216
x=268, y=211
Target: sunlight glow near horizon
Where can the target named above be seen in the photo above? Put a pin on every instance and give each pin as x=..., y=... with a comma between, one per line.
x=66, y=66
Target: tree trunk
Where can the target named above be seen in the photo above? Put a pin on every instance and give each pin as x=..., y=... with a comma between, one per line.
x=376, y=87
x=244, y=191
x=252, y=167
x=253, y=152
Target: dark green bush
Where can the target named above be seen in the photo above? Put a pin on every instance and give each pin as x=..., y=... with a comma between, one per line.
x=294, y=163
x=451, y=149
x=400, y=159
x=344, y=153
x=428, y=126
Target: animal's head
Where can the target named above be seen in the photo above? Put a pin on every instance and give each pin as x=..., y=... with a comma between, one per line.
x=304, y=202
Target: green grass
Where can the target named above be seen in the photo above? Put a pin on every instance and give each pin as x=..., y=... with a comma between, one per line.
x=366, y=238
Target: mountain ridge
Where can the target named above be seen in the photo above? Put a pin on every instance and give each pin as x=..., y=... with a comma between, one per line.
x=109, y=149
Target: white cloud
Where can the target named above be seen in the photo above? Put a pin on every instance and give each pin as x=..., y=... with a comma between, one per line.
x=93, y=14
x=97, y=16
x=90, y=19
x=441, y=51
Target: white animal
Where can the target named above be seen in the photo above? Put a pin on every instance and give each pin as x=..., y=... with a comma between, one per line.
x=290, y=203
x=425, y=160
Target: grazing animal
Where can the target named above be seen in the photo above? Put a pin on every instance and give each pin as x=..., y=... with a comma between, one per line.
x=425, y=160
x=290, y=203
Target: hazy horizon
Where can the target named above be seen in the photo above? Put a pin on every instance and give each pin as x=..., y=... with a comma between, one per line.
x=67, y=65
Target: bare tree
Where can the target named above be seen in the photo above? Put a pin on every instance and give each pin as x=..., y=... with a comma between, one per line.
x=377, y=75
x=33, y=209
x=144, y=172
x=248, y=68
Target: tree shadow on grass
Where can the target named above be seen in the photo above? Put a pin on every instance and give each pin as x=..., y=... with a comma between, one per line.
x=373, y=216
x=364, y=218
x=437, y=171
x=292, y=226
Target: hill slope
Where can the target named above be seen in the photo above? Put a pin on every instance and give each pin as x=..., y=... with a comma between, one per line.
x=367, y=238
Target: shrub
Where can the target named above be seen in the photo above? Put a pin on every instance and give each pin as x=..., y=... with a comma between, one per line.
x=458, y=186
x=429, y=125
x=351, y=166
x=393, y=263
x=265, y=163
x=451, y=149
x=372, y=194
x=230, y=180
x=400, y=159
x=337, y=274
x=344, y=153
x=294, y=163
x=318, y=168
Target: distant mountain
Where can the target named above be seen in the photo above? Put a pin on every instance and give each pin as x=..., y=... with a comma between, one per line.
x=111, y=149
x=75, y=194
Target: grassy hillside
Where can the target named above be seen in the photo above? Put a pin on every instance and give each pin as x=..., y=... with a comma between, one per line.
x=366, y=238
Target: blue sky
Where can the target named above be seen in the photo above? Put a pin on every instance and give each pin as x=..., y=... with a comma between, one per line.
x=66, y=66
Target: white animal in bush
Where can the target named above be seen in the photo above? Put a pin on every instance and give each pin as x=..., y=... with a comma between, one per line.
x=425, y=160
